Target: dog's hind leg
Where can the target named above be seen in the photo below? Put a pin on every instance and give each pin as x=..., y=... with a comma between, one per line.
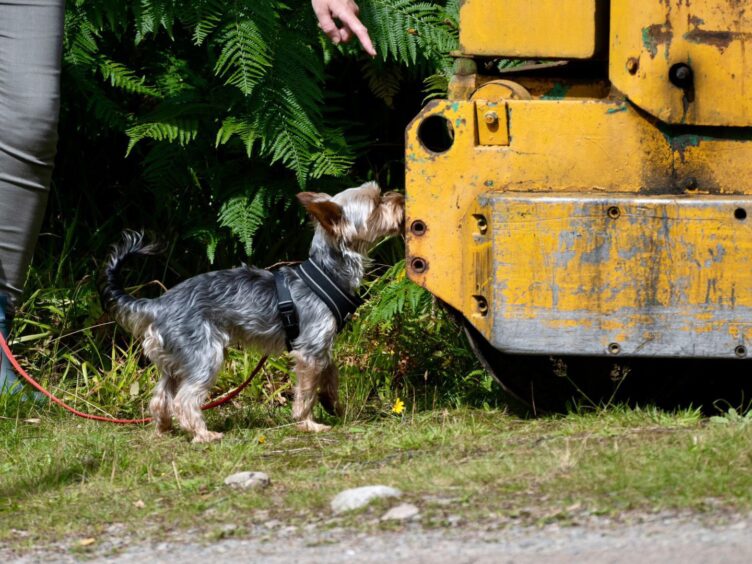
x=160, y=405
x=308, y=370
x=329, y=391
x=187, y=406
x=194, y=389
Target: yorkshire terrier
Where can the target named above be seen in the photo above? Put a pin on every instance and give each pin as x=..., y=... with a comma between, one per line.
x=186, y=330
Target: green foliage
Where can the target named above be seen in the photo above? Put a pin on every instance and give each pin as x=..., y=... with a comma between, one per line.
x=404, y=343
x=241, y=85
x=200, y=121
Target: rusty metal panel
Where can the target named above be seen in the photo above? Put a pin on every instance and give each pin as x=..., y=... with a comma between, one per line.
x=704, y=40
x=603, y=147
x=520, y=28
x=621, y=275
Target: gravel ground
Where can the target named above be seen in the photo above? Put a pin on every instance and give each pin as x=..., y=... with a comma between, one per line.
x=644, y=539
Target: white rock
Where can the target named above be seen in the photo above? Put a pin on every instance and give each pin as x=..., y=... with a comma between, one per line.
x=356, y=498
x=246, y=480
x=401, y=512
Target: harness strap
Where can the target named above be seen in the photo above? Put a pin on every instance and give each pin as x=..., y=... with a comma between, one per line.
x=286, y=309
x=341, y=302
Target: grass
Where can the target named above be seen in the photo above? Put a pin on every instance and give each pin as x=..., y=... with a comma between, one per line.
x=455, y=451
x=64, y=478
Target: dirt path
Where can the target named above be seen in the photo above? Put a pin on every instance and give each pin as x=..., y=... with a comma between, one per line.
x=662, y=538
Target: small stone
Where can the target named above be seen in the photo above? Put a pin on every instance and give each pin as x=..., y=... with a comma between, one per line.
x=247, y=480
x=401, y=512
x=273, y=524
x=454, y=520
x=356, y=498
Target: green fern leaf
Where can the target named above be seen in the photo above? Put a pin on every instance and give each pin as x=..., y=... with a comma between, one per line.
x=244, y=216
x=124, y=78
x=246, y=56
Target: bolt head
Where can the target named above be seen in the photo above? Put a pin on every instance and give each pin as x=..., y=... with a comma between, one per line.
x=491, y=118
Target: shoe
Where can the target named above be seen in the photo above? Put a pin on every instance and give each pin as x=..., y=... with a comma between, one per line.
x=8, y=379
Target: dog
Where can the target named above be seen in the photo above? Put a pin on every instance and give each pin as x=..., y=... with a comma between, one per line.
x=186, y=331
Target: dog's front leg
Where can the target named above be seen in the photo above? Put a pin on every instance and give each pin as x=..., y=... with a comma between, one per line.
x=308, y=370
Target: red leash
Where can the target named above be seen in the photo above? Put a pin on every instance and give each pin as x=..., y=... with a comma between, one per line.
x=214, y=403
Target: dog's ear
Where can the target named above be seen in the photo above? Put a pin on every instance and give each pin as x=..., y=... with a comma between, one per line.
x=321, y=207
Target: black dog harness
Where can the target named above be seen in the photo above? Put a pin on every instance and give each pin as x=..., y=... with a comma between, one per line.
x=340, y=302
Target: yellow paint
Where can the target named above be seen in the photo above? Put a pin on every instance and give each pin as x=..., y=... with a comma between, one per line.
x=493, y=125
x=520, y=28
x=557, y=147
x=712, y=37
x=604, y=254
x=519, y=238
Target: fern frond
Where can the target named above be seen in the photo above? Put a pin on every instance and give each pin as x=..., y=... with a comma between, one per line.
x=181, y=130
x=403, y=29
x=150, y=15
x=124, y=78
x=209, y=238
x=384, y=81
x=244, y=216
x=246, y=55
x=335, y=158
x=205, y=17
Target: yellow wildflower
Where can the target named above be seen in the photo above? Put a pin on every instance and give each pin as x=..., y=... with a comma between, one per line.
x=262, y=440
x=398, y=406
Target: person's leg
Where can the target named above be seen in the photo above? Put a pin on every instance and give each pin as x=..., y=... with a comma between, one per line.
x=30, y=59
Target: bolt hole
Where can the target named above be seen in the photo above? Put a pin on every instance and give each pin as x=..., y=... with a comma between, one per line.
x=481, y=222
x=680, y=75
x=418, y=227
x=613, y=212
x=482, y=304
x=740, y=351
x=614, y=348
x=740, y=214
x=418, y=265
x=436, y=134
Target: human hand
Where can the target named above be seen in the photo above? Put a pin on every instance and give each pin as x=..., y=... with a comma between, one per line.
x=346, y=11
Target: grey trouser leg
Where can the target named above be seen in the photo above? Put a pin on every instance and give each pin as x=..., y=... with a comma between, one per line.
x=30, y=58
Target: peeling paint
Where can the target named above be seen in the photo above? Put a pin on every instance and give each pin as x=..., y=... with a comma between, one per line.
x=620, y=108
x=656, y=35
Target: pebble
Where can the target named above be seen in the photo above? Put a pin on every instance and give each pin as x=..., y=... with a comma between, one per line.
x=248, y=480
x=401, y=512
x=356, y=498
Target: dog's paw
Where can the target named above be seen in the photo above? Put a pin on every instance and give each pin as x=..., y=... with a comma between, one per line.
x=207, y=437
x=313, y=427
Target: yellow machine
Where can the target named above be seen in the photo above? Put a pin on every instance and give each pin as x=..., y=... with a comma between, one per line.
x=593, y=200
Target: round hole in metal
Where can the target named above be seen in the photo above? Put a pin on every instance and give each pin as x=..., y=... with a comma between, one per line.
x=436, y=134
x=418, y=227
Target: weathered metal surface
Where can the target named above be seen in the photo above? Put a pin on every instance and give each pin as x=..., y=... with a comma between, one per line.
x=711, y=37
x=493, y=122
x=568, y=145
x=620, y=275
x=520, y=28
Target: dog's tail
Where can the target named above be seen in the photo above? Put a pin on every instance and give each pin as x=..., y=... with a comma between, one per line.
x=127, y=309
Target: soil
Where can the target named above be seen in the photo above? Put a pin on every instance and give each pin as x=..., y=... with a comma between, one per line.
x=646, y=538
